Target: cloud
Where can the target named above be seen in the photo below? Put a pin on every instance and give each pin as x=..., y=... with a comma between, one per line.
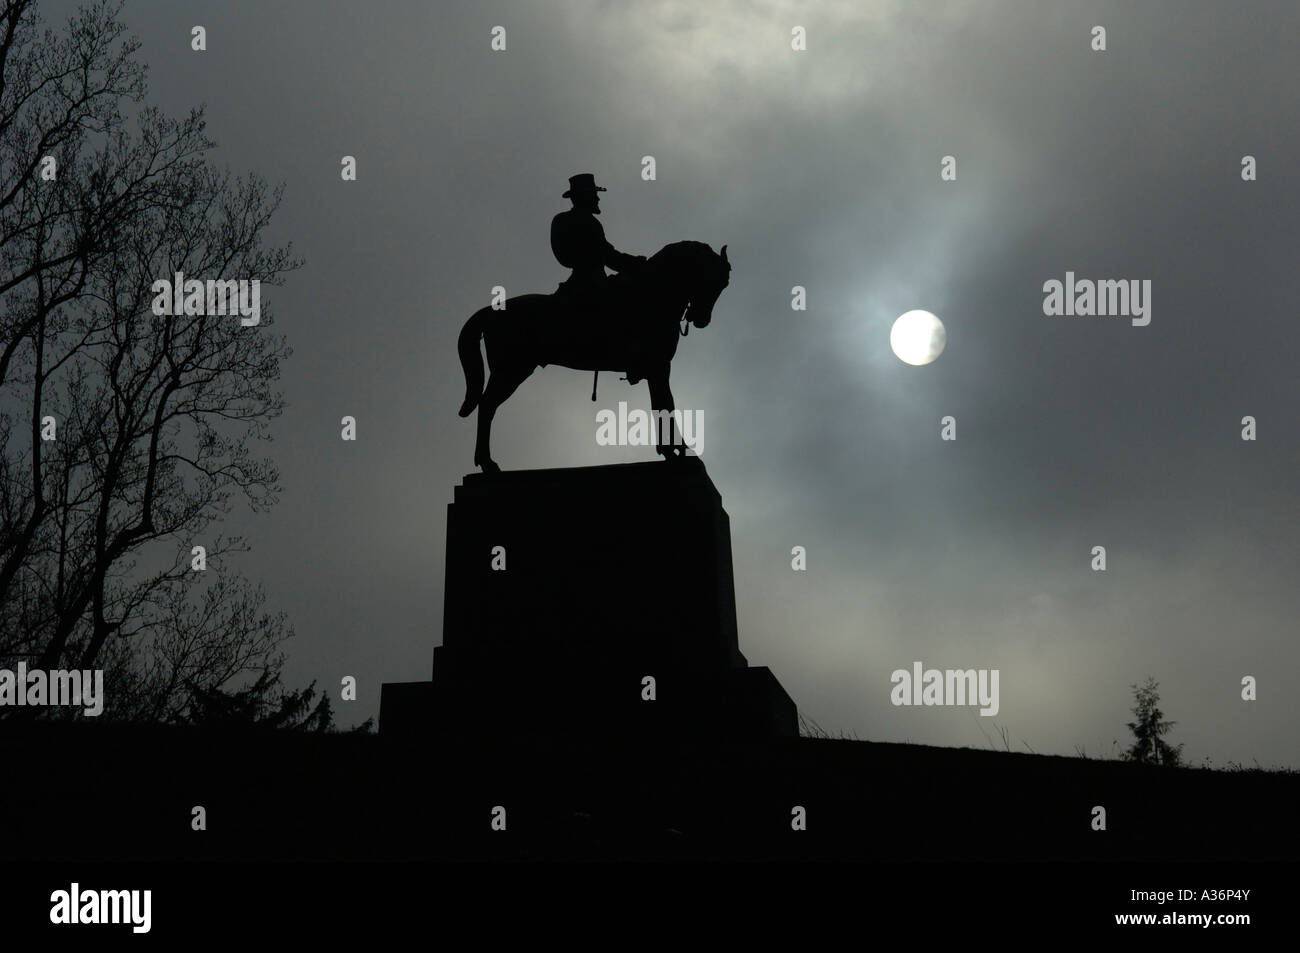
x=818, y=169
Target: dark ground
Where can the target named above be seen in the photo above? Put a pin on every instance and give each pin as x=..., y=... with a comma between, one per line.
x=112, y=793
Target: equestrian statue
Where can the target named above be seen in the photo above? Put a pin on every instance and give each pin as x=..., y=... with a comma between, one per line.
x=630, y=322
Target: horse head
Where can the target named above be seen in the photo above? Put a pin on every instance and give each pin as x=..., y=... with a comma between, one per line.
x=715, y=275
x=700, y=274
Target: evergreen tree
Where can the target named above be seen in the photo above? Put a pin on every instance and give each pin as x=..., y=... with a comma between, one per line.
x=1149, y=746
x=263, y=704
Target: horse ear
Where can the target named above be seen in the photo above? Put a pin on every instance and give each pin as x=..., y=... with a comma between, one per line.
x=724, y=255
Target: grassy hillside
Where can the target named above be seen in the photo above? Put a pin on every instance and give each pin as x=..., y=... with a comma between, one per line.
x=91, y=792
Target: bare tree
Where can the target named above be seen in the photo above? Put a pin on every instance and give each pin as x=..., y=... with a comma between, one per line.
x=125, y=436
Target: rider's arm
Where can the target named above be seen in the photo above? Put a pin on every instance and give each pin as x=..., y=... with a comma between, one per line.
x=617, y=260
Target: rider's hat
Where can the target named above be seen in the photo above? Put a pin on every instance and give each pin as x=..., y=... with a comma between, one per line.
x=582, y=182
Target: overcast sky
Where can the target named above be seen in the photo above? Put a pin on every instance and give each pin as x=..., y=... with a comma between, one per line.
x=817, y=168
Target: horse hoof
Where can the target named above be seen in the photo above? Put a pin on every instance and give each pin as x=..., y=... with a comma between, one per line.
x=489, y=466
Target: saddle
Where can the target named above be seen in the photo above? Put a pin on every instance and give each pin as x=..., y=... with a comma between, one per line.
x=595, y=316
x=594, y=302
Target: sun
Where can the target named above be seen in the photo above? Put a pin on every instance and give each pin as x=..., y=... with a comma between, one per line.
x=917, y=337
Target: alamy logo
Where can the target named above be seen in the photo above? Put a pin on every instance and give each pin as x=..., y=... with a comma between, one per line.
x=102, y=906
x=191, y=296
x=1107, y=297
x=59, y=687
x=931, y=686
x=640, y=428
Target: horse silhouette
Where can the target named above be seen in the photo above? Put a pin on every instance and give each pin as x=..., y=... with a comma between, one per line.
x=634, y=330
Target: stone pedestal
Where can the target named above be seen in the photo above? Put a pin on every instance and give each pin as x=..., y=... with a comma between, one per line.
x=611, y=575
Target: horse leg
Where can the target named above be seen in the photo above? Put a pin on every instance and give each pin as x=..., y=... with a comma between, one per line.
x=502, y=382
x=661, y=399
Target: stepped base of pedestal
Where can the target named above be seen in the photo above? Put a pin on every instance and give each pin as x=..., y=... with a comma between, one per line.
x=738, y=703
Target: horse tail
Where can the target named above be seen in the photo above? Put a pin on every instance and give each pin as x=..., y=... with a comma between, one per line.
x=471, y=359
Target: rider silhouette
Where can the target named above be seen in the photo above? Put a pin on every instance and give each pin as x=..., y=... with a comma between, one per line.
x=579, y=243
